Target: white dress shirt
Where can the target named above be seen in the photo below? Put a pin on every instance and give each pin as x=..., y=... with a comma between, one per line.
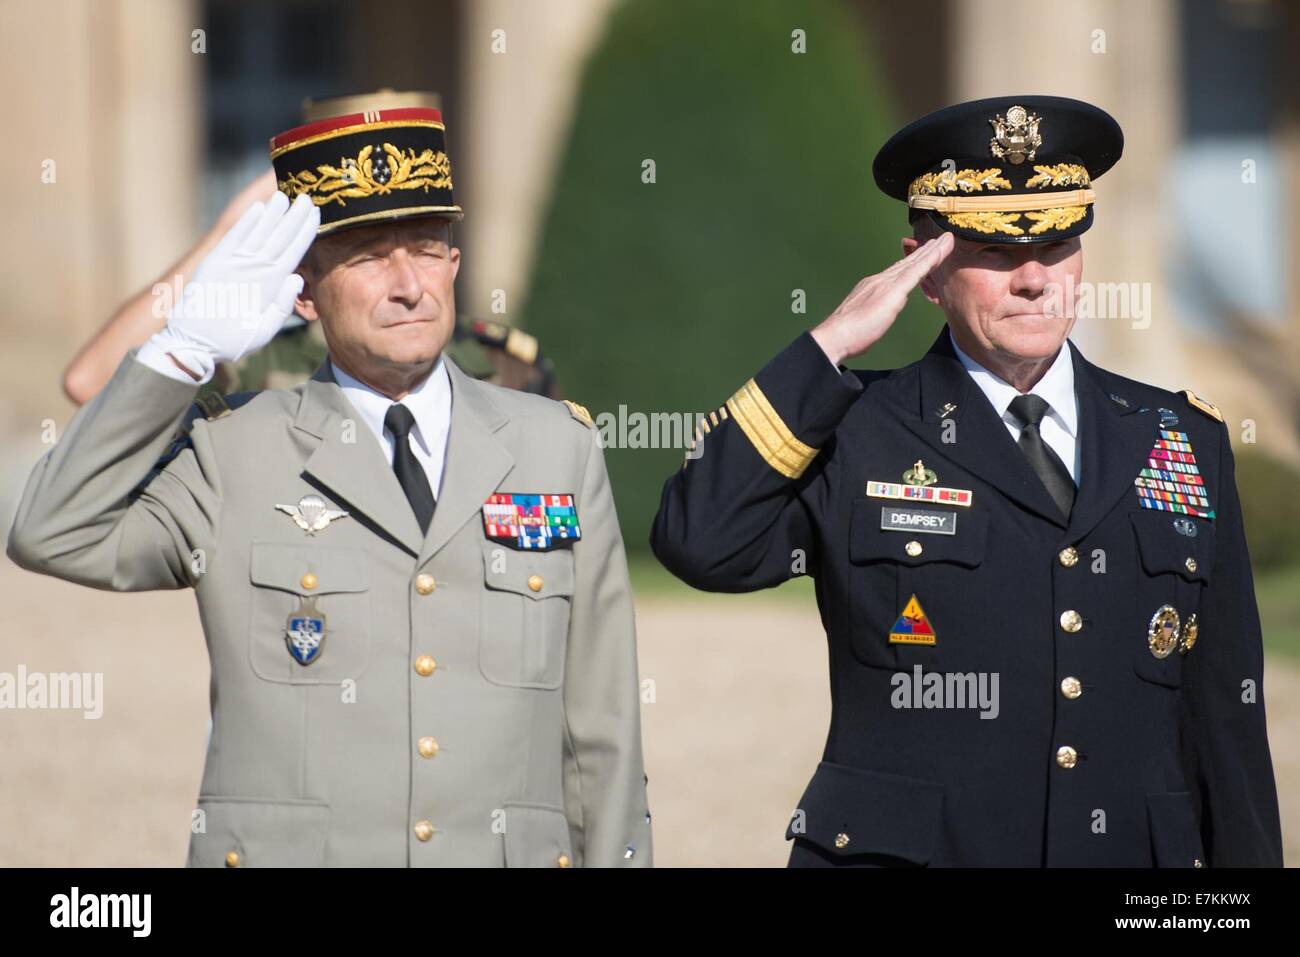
x=430, y=404
x=1060, y=425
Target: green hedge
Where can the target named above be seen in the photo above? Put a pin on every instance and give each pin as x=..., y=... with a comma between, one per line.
x=1270, y=508
x=666, y=297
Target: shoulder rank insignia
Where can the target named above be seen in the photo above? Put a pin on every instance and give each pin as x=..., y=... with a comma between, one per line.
x=579, y=412
x=532, y=521
x=1208, y=408
x=214, y=405
x=1172, y=482
x=311, y=515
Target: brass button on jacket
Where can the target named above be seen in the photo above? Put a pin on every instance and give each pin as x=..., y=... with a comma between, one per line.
x=425, y=584
x=1071, y=621
x=1067, y=757
x=424, y=665
x=1069, y=557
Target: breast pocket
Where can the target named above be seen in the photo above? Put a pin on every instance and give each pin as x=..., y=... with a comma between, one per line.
x=889, y=567
x=1173, y=569
x=524, y=626
x=308, y=583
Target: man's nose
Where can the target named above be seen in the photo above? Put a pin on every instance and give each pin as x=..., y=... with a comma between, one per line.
x=1029, y=278
x=403, y=281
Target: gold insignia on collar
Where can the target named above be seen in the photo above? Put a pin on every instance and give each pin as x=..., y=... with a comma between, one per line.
x=1015, y=136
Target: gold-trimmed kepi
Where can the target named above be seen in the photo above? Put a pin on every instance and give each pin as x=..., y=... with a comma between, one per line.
x=1013, y=169
x=369, y=166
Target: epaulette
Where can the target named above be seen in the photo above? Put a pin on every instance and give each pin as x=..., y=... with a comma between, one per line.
x=1208, y=408
x=580, y=413
x=516, y=343
x=210, y=406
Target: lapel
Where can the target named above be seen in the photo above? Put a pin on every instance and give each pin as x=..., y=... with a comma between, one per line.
x=477, y=462
x=351, y=467
x=983, y=445
x=1116, y=442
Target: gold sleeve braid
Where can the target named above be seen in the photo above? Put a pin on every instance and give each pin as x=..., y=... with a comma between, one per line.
x=766, y=431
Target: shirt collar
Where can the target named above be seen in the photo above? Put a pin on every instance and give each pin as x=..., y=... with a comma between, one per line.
x=429, y=402
x=1056, y=387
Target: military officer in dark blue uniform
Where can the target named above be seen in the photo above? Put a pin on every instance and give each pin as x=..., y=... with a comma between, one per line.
x=1044, y=642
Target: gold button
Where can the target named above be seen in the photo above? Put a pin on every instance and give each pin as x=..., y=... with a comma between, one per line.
x=424, y=584
x=428, y=747
x=1071, y=688
x=308, y=581
x=1191, y=564
x=232, y=858
x=913, y=548
x=1069, y=557
x=1196, y=862
x=1067, y=757
x=562, y=860
x=423, y=830
x=424, y=665
x=1071, y=621
x=841, y=840
x=535, y=582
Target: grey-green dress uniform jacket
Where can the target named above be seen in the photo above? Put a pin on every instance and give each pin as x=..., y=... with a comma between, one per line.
x=471, y=705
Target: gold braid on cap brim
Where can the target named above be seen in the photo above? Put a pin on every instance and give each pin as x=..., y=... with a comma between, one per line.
x=1000, y=214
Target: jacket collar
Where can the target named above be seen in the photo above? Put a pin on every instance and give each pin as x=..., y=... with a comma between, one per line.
x=356, y=474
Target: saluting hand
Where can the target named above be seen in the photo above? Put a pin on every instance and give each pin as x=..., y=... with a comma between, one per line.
x=870, y=309
x=243, y=290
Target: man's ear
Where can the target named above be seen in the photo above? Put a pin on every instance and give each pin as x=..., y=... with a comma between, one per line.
x=454, y=255
x=910, y=245
x=305, y=302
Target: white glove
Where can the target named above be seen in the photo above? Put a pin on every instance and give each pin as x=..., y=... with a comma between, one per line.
x=240, y=294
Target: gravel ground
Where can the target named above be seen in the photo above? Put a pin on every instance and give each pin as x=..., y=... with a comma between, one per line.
x=736, y=727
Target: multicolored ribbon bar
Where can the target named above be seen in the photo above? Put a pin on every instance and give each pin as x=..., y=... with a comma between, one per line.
x=1172, y=482
x=531, y=520
x=920, y=493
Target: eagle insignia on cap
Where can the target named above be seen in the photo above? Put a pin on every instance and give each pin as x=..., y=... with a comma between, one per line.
x=1015, y=136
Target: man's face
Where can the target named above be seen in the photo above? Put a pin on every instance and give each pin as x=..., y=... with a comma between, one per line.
x=384, y=294
x=1015, y=301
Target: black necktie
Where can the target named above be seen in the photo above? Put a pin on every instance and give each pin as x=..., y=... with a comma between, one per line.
x=1029, y=411
x=410, y=474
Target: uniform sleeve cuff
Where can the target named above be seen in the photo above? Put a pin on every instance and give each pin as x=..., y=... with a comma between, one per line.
x=793, y=405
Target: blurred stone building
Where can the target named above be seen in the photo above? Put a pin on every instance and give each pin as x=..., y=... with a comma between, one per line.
x=130, y=122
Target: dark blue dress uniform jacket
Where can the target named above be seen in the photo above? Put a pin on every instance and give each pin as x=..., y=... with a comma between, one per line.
x=1171, y=764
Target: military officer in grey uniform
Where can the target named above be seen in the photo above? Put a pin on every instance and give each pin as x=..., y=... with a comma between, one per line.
x=412, y=583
